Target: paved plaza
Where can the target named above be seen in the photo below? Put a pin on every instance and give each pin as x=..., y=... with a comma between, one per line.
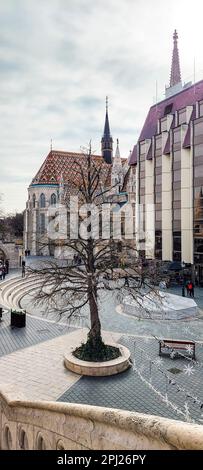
x=32, y=358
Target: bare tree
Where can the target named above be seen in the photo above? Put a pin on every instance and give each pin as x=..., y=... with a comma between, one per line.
x=98, y=264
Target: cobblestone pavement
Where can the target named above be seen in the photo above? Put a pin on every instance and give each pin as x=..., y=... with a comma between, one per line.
x=36, y=331
x=132, y=391
x=144, y=387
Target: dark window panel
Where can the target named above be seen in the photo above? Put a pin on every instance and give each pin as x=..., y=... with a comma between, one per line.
x=158, y=197
x=158, y=207
x=177, y=244
x=158, y=188
x=198, y=128
x=198, y=150
x=176, y=136
x=177, y=156
x=158, y=225
x=176, y=204
x=177, y=166
x=177, y=195
x=176, y=225
x=198, y=171
x=177, y=214
x=158, y=216
x=177, y=175
x=176, y=185
x=177, y=256
x=158, y=161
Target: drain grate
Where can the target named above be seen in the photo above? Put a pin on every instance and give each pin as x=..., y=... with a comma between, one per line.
x=174, y=370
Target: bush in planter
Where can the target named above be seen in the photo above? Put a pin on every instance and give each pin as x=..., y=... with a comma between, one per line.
x=18, y=318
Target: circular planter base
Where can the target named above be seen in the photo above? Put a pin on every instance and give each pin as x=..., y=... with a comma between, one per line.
x=97, y=369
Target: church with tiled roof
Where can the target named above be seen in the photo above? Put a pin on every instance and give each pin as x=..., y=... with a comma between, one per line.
x=59, y=178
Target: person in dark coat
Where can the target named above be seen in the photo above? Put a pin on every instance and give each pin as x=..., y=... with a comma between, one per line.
x=7, y=266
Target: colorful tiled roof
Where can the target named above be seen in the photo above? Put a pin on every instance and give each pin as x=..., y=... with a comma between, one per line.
x=187, y=97
x=59, y=164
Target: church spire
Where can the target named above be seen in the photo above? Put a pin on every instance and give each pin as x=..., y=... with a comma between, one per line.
x=117, y=158
x=107, y=141
x=175, y=77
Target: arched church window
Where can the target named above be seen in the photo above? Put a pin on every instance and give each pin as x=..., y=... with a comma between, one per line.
x=33, y=200
x=42, y=200
x=53, y=199
x=42, y=223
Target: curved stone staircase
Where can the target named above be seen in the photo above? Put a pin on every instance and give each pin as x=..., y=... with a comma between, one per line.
x=15, y=288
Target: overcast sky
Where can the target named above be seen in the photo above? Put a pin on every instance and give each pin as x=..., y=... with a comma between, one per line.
x=60, y=58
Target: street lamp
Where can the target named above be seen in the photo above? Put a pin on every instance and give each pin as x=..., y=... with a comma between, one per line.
x=183, y=286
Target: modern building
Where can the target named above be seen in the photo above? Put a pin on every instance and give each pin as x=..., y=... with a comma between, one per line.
x=168, y=163
x=57, y=179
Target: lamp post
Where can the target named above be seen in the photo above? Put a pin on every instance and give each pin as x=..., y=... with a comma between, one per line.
x=183, y=286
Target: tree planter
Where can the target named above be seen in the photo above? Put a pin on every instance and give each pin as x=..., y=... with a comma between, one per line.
x=18, y=319
x=105, y=368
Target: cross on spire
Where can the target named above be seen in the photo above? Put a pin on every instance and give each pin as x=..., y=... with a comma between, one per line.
x=175, y=66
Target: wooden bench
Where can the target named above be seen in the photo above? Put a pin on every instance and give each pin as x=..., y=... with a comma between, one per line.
x=167, y=346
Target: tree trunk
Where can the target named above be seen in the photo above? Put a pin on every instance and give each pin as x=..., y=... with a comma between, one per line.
x=95, y=330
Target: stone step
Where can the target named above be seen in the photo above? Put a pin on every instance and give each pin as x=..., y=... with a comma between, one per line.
x=16, y=287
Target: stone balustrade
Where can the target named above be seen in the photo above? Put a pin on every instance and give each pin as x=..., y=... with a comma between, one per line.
x=53, y=425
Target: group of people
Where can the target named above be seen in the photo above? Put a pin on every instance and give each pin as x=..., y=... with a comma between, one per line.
x=4, y=269
x=27, y=252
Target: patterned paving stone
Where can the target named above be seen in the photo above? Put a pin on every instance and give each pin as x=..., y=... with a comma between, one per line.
x=36, y=331
x=128, y=391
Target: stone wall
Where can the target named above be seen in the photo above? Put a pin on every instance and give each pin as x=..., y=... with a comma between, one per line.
x=12, y=252
x=53, y=425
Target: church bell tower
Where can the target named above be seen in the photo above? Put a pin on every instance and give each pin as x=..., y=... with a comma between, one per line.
x=107, y=141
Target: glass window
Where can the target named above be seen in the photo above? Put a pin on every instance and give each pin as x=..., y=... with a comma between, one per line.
x=42, y=223
x=199, y=192
x=158, y=142
x=182, y=116
x=199, y=171
x=158, y=215
x=177, y=175
x=177, y=195
x=201, y=108
x=198, y=128
x=177, y=214
x=158, y=161
x=142, y=183
x=198, y=150
x=177, y=244
x=177, y=255
x=42, y=200
x=158, y=179
x=177, y=156
x=34, y=200
x=142, y=166
x=53, y=199
x=158, y=197
x=164, y=124
x=176, y=136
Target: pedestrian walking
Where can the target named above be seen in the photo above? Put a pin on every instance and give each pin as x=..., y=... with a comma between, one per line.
x=191, y=289
x=4, y=272
x=23, y=268
x=7, y=266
